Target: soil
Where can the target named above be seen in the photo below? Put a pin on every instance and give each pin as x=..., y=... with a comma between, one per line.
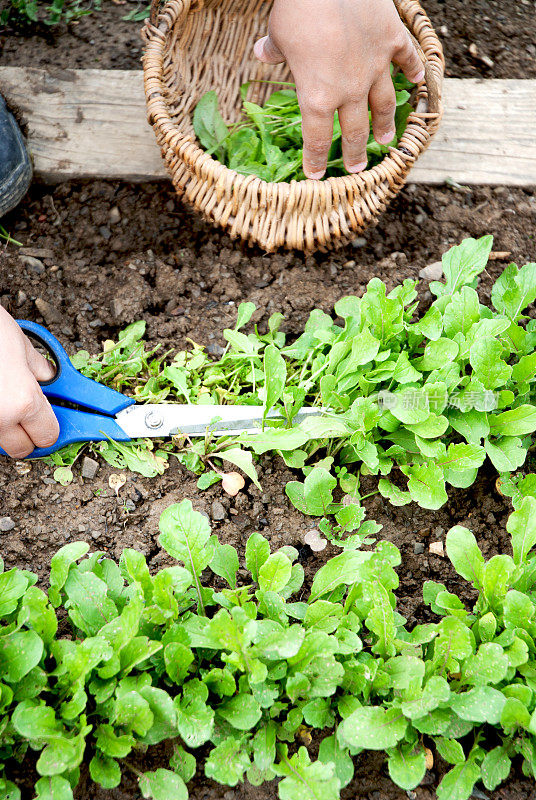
x=503, y=31
x=110, y=253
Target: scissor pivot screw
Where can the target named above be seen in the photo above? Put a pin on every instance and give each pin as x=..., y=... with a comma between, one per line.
x=153, y=420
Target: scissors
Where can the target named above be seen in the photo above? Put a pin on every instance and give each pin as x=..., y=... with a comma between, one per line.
x=87, y=411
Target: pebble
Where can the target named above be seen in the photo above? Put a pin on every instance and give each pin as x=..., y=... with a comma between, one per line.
x=114, y=216
x=21, y=298
x=50, y=313
x=418, y=548
x=6, y=524
x=217, y=511
x=437, y=549
x=359, y=242
x=90, y=467
x=215, y=349
x=433, y=272
x=33, y=263
x=314, y=539
x=37, y=252
x=130, y=505
x=105, y=232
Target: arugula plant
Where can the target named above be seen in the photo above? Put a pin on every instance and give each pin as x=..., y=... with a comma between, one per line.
x=249, y=669
x=267, y=141
x=420, y=401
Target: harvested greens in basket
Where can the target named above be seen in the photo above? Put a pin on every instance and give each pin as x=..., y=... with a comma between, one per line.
x=267, y=141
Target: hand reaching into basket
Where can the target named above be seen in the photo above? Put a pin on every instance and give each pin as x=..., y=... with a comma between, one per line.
x=340, y=52
x=26, y=418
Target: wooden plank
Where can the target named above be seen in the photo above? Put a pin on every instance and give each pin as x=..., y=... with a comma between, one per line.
x=487, y=134
x=91, y=124
x=84, y=123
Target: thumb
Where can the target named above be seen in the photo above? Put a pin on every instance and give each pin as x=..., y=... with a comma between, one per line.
x=267, y=52
x=42, y=369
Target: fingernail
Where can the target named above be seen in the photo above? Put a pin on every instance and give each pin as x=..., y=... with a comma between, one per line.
x=315, y=176
x=357, y=167
x=387, y=137
x=419, y=77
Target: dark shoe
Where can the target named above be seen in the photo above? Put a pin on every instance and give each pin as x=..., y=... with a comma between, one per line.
x=15, y=165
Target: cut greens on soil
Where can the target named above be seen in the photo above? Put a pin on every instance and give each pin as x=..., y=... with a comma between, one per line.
x=115, y=659
x=267, y=141
x=419, y=401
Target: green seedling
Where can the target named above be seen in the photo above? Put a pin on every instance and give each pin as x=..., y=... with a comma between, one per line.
x=234, y=675
x=418, y=400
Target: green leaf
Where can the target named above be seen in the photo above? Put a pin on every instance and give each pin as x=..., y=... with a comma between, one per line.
x=275, y=573
x=242, y=459
x=105, y=771
x=53, y=788
x=495, y=767
x=227, y=762
x=407, y=765
x=195, y=720
x=20, y=652
x=224, y=562
x=184, y=534
x=373, y=728
x=506, y=454
x=162, y=784
x=242, y=711
x=346, y=568
x=481, y=704
x=426, y=485
x=209, y=125
x=463, y=457
x=487, y=363
x=244, y=314
x=60, y=565
x=465, y=555
x=458, y=784
x=450, y=750
x=514, y=290
x=462, y=264
x=183, y=763
x=303, y=780
x=396, y=496
x=521, y=526
x=264, y=746
x=331, y=751
x=257, y=553
x=515, y=422
x=275, y=375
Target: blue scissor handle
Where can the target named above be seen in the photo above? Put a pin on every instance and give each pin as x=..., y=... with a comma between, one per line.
x=80, y=426
x=68, y=385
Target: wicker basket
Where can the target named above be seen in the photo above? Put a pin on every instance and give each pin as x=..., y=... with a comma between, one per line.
x=196, y=45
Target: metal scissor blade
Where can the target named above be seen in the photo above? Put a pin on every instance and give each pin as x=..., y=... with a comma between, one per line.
x=163, y=420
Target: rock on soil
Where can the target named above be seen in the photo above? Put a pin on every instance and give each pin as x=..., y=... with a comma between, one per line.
x=6, y=524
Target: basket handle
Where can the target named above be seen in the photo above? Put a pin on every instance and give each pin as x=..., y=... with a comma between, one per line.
x=433, y=85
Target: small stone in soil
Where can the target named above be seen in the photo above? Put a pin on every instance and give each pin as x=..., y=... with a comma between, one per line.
x=418, y=548
x=217, y=511
x=114, y=216
x=437, y=549
x=130, y=505
x=50, y=313
x=33, y=263
x=6, y=524
x=432, y=272
x=90, y=467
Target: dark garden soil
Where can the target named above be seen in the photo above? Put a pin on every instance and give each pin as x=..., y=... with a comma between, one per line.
x=100, y=255
x=503, y=32
x=108, y=254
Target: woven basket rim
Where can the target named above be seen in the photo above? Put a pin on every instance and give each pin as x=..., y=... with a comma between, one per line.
x=202, y=163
